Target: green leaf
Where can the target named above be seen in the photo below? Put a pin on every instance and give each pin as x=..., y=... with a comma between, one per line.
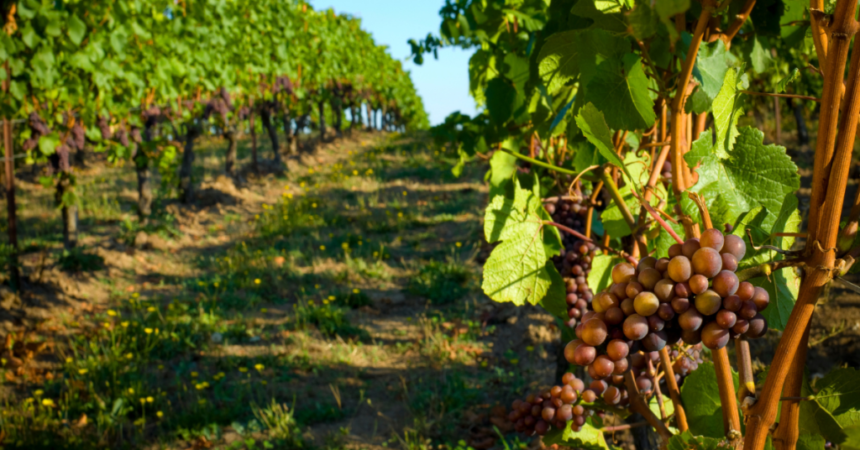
x=783, y=83
x=77, y=29
x=48, y=144
x=555, y=299
x=595, y=129
x=588, y=438
x=634, y=176
x=501, y=100
x=698, y=102
x=712, y=63
x=835, y=409
x=687, y=441
x=620, y=91
x=29, y=36
x=516, y=270
x=502, y=168
x=644, y=21
x=701, y=397
x=667, y=9
x=758, y=56
x=569, y=54
x=610, y=20
x=600, y=276
x=752, y=174
x=727, y=111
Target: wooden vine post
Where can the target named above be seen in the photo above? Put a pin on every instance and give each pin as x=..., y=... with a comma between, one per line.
x=11, y=211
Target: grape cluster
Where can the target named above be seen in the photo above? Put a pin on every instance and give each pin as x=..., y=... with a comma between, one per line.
x=574, y=261
x=38, y=128
x=554, y=407
x=103, y=123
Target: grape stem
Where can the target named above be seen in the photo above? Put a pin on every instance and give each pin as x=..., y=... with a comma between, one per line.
x=745, y=373
x=769, y=94
x=637, y=404
x=768, y=268
x=579, y=235
x=609, y=183
x=674, y=392
x=660, y=220
x=626, y=426
x=657, y=393
x=546, y=165
x=728, y=400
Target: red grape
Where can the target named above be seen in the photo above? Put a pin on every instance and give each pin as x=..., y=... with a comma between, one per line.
x=708, y=303
x=603, y=366
x=712, y=238
x=664, y=290
x=690, y=246
x=594, y=332
x=714, y=337
x=761, y=298
x=690, y=320
x=735, y=245
x=698, y=284
x=635, y=327
x=646, y=304
x=707, y=262
x=623, y=272
x=726, y=318
x=680, y=269
x=617, y=349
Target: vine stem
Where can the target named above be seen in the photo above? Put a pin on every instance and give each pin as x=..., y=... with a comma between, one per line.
x=626, y=426
x=579, y=235
x=745, y=374
x=740, y=18
x=543, y=164
x=830, y=177
x=662, y=222
x=819, y=35
x=674, y=392
x=589, y=216
x=770, y=94
x=768, y=268
x=609, y=183
x=788, y=431
x=637, y=404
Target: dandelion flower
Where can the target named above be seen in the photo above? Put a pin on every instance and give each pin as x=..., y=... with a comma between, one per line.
x=264, y=310
x=147, y=330
x=332, y=297
x=152, y=309
x=129, y=355
x=194, y=374
x=47, y=402
x=257, y=281
x=82, y=371
x=111, y=312
x=322, y=247
x=149, y=399
x=356, y=290
x=68, y=360
x=159, y=414
x=259, y=367
x=404, y=193
x=243, y=369
x=458, y=244
x=124, y=324
x=131, y=391
x=38, y=392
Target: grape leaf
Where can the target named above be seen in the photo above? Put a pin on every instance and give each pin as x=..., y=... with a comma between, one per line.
x=516, y=270
x=783, y=83
x=698, y=102
x=687, y=441
x=752, y=174
x=712, y=63
x=502, y=167
x=77, y=29
x=644, y=21
x=555, y=299
x=835, y=408
x=667, y=9
x=635, y=175
x=726, y=109
x=594, y=128
x=701, y=397
x=610, y=20
x=501, y=100
x=588, y=438
x=569, y=54
x=600, y=276
x=620, y=91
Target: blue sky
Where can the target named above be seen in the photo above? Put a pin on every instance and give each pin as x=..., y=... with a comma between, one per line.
x=444, y=83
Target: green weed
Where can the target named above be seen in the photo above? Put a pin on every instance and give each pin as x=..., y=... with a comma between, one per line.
x=441, y=282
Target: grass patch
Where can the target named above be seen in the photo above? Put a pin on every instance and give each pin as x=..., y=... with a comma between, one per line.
x=441, y=282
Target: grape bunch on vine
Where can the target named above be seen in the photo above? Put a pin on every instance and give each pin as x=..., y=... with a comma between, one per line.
x=633, y=198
